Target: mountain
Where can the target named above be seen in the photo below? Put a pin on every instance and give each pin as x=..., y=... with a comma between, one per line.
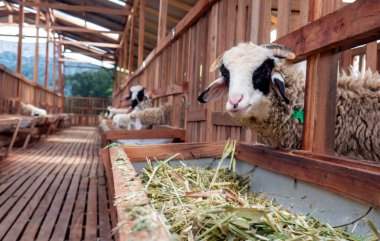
x=8, y=58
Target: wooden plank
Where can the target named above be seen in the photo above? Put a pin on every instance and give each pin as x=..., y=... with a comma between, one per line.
x=88, y=44
x=371, y=56
x=141, y=32
x=146, y=134
x=128, y=232
x=265, y=26
x=223, y=119
x=20, y=36
x=173, y=89
x=283, y=17
x=187, y=150
x=345, y=28
x=20, y=199
x=77, y=8
x=92, y=212
x=45, y=192
x=358, y=182
x=163, y=14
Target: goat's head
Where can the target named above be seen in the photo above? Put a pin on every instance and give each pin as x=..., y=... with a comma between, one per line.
x=249, y=73
x=136, y=95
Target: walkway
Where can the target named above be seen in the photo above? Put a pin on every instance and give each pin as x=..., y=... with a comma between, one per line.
x=55, y=190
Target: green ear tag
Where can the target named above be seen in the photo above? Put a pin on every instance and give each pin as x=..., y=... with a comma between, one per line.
x=298, y=114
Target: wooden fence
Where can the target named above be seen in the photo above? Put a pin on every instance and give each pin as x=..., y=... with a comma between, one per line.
x=86, y=110
x=15, y=87
x=211, y=27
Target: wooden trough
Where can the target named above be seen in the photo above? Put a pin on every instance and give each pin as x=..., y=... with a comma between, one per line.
x=335, y=193
x=158, y=134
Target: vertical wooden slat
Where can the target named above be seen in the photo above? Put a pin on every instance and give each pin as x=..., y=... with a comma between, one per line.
x=141, y=32
x=304, y=12
x=265, y=17
x=131, y=44
x=345, y=60
x=320, y=99
x=163, y=14
x=212, y=55
x=371, y=56
x=35, y=73
x=54, y=63
x=46, y=80
x=255, y=21
x=283, y=17
x=20, y=36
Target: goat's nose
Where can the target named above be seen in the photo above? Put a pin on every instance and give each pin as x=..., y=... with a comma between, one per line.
x=235, y=100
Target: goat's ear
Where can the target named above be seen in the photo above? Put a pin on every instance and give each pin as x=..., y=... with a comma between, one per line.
x=214, y=91
x=278, y=84
x=217, y=63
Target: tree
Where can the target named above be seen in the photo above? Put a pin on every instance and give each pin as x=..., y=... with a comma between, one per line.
x=91, y=84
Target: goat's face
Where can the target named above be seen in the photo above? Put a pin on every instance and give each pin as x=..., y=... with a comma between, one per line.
x=137, y=95
x=248, y=75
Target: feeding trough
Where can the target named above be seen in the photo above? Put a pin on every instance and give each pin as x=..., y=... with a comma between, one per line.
x=299, y=186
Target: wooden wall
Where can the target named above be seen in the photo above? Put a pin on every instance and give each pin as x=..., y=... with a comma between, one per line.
x=86, y=110
x=15, y=87
x=183, y=58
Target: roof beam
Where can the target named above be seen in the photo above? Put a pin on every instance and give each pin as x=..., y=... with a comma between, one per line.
x=82, y=61
x=77, y=8
x=180, y=5
x=87, y=44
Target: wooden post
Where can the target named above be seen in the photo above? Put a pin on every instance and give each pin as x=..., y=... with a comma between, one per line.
x=46, y=80
x=371, y=56
x=141, y=32
x=35, y=73
x=162, y=17
x=20, y=35
x=60, y=77
x=131, y=45
x=320, y=92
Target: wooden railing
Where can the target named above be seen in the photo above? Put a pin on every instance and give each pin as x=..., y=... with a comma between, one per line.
x=325, y=33
x=15, y=87
x=85, y=109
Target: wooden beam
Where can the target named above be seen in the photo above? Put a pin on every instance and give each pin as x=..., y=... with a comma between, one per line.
x=87, y=44
x=60, y=74
x=345, y=28
x=81, y=61
x=77, y=8
x=163, y=14
x=20, y=36
x=180, y=5
x=357, y=180
x=155, y=12
x=37, y=46
x=141, y=32
x=172, y=133
x=128, y=23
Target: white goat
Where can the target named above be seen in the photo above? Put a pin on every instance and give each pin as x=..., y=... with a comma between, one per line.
x=266, y=93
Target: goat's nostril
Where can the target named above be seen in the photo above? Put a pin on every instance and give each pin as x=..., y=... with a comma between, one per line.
x=235, y=100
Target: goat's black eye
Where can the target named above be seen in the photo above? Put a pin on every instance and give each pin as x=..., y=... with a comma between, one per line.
x=261, y=76
x=225, y=73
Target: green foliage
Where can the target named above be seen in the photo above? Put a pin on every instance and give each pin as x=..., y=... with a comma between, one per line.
x=91, y=84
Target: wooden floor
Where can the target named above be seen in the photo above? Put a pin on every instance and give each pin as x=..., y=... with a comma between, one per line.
x=55, y=190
